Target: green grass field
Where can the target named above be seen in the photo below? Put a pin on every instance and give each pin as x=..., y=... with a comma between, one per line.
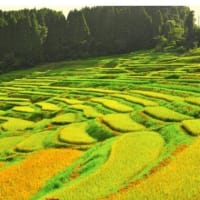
x=130, y=116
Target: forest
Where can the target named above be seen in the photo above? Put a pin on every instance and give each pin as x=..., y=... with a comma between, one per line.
x=30, y=37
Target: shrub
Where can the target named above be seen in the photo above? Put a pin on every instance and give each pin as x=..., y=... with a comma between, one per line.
x=97, y=131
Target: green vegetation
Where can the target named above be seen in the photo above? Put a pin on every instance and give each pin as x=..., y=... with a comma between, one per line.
x=98, y=131
x=147, y=147
x=88, y=163
x=127, y=114
x=46, y=35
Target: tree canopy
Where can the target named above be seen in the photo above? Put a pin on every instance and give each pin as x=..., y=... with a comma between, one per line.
x=28, y=37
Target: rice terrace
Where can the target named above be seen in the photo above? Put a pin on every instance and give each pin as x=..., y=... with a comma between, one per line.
x=116, y=127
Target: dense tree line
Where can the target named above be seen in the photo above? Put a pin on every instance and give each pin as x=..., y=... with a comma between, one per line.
x=28, y=37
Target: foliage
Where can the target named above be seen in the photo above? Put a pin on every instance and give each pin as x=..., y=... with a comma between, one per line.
x=98, y=131
x=33, y=36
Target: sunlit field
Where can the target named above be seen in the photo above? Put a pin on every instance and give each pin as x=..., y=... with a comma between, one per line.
x=117, y=127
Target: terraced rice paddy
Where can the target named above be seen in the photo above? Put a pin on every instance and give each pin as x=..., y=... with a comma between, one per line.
x=125, y=116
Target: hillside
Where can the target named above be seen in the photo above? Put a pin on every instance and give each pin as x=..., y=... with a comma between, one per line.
x=30, y=37
x=115, y=127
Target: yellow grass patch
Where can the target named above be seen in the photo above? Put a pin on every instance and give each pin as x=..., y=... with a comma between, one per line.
x=33, y=142
x=22, y=180
x=2, y=164
x=88, y=111
x=178, y=180
x=69, y=101
x=23, y=109
x=193, y=100
x=76, y=134
x=137, y=100
x=122, y=122
x=112, y=104
x=165, y=114
x=159, y=95
x=65, y=118
x=48, y=106
x=129, y=155
x=192, y=126
x=13, y=124
x=9, y=142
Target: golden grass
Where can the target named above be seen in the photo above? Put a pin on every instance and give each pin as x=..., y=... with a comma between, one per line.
x=2, y=112
x=112, y=104
x=178, y=180
x=21, y=181
x=137, y=100
x=9, y=142
x=33, y=142
x=76, y=134
x=159, y=95
x=69, y=101
x=23, y=109
x=48, y=106
x=64, y=118
x=192, y=126
x=129, y=155
x=2, y=164
x=13, y=124
x=122, y=122
x=13, y=99
x=88, y=111
x=193, y=100
x=98, y=90
x=165, y=114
